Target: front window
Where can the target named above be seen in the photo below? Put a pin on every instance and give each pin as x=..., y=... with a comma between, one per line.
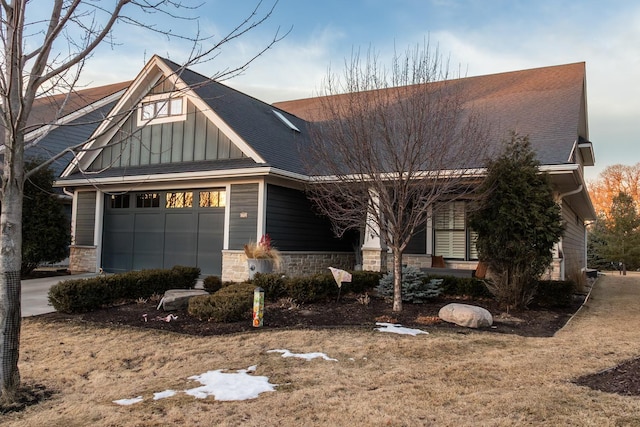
x=453, y=239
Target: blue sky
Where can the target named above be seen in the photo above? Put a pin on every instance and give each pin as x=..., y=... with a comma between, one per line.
x=480, y=36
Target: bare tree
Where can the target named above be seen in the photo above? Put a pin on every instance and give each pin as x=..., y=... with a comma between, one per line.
x=390, y=144
x=46, y=57
x=613, y=180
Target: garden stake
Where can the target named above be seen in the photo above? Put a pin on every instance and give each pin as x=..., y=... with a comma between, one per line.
x=258, y=307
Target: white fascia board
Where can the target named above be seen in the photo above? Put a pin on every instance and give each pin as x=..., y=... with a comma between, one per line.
x=181, y=86
x=110, y=125
x=559, y=169
x=181, y=176
x=465, y=173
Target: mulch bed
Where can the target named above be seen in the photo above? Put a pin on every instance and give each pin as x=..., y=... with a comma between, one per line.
x=351, y=313
x=348, y=312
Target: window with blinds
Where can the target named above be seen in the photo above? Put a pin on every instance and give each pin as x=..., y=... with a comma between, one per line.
x=452, y=238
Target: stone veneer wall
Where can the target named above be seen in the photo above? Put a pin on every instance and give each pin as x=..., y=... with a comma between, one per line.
x=235, y=269
x=82, y=259
x=375, y=260
x=554, y=271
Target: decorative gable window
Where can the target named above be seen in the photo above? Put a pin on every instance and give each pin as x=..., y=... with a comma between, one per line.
x=162, y=108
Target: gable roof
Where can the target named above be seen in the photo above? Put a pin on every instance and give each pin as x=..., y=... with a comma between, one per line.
x=548, y=104
x=253, y=120
x=50, y=108
x=250, y=124
x=61, y=121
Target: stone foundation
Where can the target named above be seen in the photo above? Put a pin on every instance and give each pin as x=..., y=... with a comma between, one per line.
x=82, y=259
x=235, y=269
x=375, y=260
x=554, y=272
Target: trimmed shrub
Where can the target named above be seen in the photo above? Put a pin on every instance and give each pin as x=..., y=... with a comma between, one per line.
x=305, y=289
x=416, y=286
x=464, y=286
x=362, y=281
x=273, y=285
x=230, y=304
x=212, y=284
x=81, y=295
x=554, y=293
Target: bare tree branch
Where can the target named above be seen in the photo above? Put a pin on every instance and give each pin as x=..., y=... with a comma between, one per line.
x=390, y=144
x=46, y=68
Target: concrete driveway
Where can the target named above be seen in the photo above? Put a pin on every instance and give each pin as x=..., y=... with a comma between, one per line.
x=35, y=291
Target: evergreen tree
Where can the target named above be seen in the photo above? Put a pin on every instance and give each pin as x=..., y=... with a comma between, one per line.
x=597, y=250
x=518, y=223
x=622, y=232
x=45, y=227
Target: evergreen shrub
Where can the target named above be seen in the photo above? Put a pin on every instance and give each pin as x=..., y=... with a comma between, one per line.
x=273, y=285
x=212, y=284
x=463, y=286
x=82, y=295
x=417, y=287
x=554, y=293
x=230, y=304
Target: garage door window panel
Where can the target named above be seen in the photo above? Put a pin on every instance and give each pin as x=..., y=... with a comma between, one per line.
x=213, y=199
x=179, y=200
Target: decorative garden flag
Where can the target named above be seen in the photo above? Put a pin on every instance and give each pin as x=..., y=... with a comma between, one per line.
x=340, y=276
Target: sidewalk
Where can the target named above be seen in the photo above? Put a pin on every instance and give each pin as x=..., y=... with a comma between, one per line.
x=35, y=293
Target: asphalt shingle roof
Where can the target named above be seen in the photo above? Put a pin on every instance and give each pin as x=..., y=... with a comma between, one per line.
x=544, y=103
x=253, y=120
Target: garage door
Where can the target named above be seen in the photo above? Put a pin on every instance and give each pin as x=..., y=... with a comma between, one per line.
x=163, y=229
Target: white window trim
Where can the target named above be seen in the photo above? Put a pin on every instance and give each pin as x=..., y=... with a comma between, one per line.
x=164, y=119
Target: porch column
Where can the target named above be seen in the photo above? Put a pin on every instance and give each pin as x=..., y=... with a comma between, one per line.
x=374, y=250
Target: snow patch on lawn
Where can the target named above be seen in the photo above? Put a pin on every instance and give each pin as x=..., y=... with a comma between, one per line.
x=306, y=356
x=127, y=402
x=221, y=385
x=164, y=394
x=230, y=386
x=398, y=329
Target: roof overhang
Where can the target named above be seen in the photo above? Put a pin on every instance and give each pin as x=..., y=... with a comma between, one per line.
x=569, y=183
x=180, y=177
x=586, y=152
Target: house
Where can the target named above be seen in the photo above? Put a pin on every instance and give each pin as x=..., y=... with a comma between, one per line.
x=185, y=170
x=547, y=104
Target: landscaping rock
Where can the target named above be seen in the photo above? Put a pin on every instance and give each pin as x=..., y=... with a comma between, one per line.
x=177, y=299
x=469, y=316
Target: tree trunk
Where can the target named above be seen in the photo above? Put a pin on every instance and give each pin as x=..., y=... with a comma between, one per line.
x=397, y=280
x=10, y=308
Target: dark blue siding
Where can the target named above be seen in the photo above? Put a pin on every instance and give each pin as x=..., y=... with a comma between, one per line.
x=243, y=215
x=294, y=226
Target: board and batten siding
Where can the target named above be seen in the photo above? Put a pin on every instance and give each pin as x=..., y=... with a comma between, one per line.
x=193, y=139
x=293, y=225
x=85, y=218
x=573, y=240
x=243, y=215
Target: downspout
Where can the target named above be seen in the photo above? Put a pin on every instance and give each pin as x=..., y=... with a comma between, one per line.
x=560, y=250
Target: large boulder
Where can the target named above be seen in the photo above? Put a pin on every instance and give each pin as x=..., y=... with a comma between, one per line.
x=469, y=316
x=177, y=299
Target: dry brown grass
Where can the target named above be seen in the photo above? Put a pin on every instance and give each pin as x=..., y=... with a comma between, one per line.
x=438, y=379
